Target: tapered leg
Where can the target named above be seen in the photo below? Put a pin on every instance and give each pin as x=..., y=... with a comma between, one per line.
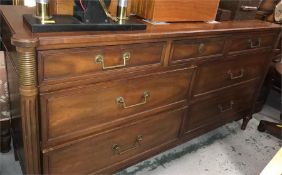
x=16, y=156
x=15, y=152
x=5, y=137
x=245, y=122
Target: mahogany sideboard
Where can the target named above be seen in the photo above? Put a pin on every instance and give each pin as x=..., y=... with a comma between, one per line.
x=98, y=102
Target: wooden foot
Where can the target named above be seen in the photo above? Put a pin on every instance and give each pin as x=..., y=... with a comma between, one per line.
x=272, y=128
x=245, y=122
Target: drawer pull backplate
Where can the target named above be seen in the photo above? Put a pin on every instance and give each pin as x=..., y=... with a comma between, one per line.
x=249, y=8
x=121, y=102
x=233, y=77
x=118, y=150
x=99, y=59
x=201, y=49
x=254, y=44
x=221, y=108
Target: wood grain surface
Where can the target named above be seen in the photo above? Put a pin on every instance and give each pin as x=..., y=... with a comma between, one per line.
x=199, y=76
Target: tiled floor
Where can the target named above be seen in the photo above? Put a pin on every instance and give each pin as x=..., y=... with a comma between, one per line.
x=226, y=150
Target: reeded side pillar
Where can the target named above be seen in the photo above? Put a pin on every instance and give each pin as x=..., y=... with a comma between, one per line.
x=26, y=66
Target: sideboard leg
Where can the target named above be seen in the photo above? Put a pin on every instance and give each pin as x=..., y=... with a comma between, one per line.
x=246, y=121
x=5, y=137
x=16, y=155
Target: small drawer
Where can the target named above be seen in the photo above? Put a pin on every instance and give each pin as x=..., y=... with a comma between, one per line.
x=58, y=64
x=250, y=42
x=73, y=112
x=184, y=50
x=115, y=147
x=224, y=106
x=218, y=74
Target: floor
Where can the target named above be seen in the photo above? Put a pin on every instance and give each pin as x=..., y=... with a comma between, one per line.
x=226, y=150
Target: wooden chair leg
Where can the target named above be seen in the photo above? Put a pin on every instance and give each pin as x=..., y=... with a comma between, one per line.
x=245, y=122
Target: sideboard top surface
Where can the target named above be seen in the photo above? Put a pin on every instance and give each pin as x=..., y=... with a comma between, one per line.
x=21, y=34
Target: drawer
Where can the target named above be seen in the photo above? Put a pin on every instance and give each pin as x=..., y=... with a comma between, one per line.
x=115, y=147
x=251, y=42
x=225, y=106
x=73, y=112
x=218, y=74
x=56, y=64
x=184, y=50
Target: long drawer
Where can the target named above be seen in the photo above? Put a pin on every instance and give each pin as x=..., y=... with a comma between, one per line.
x=116, y=146
x=224, y=106
x=218, y=74
x=68, y=63
x=80, y=110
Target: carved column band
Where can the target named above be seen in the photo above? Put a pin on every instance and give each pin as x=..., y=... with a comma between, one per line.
x=26, y=66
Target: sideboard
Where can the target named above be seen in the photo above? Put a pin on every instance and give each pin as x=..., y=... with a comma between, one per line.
x=98, y=102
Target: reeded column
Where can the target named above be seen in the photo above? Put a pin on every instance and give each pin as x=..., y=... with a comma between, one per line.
x=26, y=65
x=18, y=2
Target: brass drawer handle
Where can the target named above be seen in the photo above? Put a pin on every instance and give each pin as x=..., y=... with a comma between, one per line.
x=249, y=8
x=99, y=59
x=253, y=44
x=121, y=102
x=220, y=107
x=118, y=150
x=233, y=77
x=201, y=49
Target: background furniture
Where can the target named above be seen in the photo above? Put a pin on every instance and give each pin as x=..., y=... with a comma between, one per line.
x=275, y=76
x=6, y=2
x=5, y=135
x=272, y=78
x=223, y=15
x=241, y=9
x=265, y=13
x=266, y=9
x=96, y=102
x=5, y=132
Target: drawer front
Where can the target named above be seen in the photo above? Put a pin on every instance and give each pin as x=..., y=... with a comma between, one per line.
x=187, y=49
x=251, y=42
x=97, y=106
x=225, y=106
x=116, y=146
x=222, y=73
x=75, y=62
